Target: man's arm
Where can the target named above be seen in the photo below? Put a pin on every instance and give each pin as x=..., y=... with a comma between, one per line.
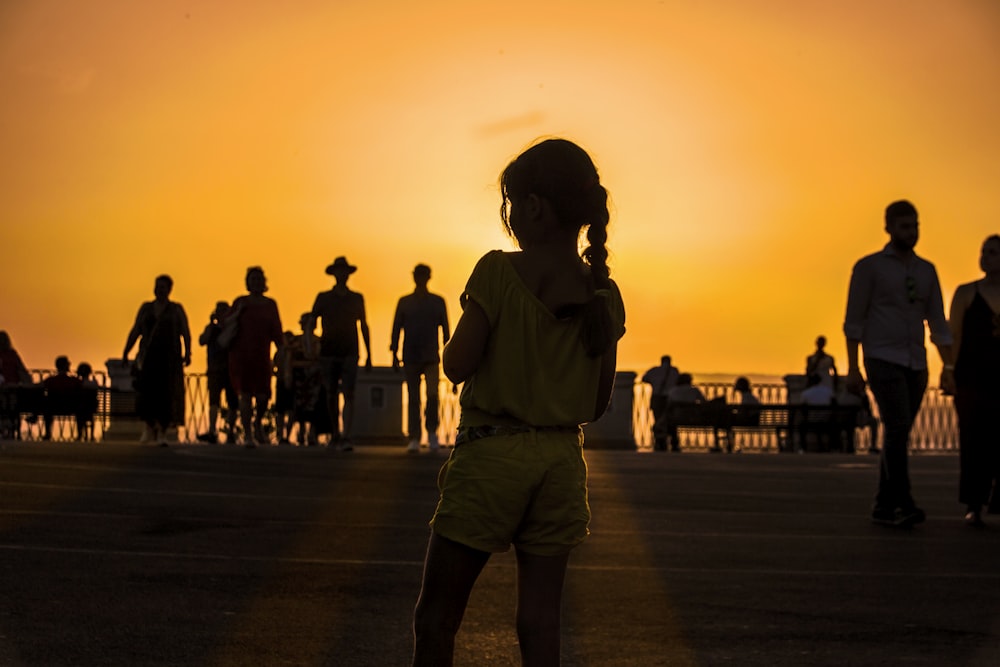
x=858, y=301
x=365, y=334
x=317, y=309
x=855, y=381
x=445, y=330
x=397, y=327
x=185, y=334
x=941, y=335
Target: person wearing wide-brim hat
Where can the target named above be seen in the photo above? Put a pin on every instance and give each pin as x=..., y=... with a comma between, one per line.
x=341, y=312
x=340, y=265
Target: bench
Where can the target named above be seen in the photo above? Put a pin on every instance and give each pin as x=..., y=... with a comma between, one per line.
x=17, y=403
x=794, y=426
x=79, y=403
x=29, y=402
x=827, y=427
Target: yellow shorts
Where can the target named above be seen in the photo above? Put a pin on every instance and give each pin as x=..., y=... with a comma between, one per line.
x=526, y=489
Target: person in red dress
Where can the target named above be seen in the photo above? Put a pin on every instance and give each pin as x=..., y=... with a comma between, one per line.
x=259, y=325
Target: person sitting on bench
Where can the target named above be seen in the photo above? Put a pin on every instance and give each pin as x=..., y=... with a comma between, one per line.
x=61, y=390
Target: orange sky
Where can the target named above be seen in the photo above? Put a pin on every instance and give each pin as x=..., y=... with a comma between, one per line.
x=749, y=147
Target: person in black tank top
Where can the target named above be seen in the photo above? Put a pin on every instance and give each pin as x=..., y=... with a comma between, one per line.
x=975, y=321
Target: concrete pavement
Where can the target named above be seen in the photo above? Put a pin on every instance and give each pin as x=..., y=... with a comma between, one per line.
x=121, y=554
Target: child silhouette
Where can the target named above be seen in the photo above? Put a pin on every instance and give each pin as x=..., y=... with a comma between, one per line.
x=536, y=348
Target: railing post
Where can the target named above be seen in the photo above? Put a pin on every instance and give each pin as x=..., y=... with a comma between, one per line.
x=794, y=384
x=123, y=424
x=378, y=406
x=614, y=430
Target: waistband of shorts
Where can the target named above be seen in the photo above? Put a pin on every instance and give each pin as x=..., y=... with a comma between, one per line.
x=470, y=433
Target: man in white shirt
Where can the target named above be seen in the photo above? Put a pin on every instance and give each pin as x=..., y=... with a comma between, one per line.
x=893, y=293
x=816, y=391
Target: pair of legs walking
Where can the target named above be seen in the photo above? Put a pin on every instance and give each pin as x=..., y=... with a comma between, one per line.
x=451, y=570
x=979, y=454
x=219, y=384
x=430, y=372
x=340, y=375
x=252, y=408
x=899, y=391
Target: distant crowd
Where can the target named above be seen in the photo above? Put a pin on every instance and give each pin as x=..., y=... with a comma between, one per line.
x=310, y=372
x=69, y=394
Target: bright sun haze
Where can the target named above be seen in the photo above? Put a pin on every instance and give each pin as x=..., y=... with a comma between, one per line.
x=749, y=148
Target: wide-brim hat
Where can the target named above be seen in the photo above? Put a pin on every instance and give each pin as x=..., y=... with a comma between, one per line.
x=340, y=264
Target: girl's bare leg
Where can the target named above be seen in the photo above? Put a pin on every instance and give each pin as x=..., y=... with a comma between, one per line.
x=539, y=600
x=450, y=571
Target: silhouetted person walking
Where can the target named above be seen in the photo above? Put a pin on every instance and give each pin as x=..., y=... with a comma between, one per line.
x=250, y=353
x=975, y=324
x=892, y=294
x=217, y=377
x=418, y=317
x=161, y=327
x=341, y=313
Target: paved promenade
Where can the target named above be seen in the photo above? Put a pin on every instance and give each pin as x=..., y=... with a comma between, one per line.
x=121, y=554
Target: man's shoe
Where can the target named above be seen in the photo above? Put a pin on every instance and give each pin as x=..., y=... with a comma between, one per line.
x=910, y=517
x=210, y=437
x=432, y=442
x=885, y=517
x=413, y=446
x=898, y=518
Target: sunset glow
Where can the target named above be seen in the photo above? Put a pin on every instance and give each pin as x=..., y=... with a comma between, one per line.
x=749, y=147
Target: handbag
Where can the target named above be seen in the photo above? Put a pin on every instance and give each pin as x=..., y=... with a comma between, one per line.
x=230, y=327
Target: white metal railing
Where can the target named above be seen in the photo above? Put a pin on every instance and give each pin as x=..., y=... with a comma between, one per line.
x=935, y=429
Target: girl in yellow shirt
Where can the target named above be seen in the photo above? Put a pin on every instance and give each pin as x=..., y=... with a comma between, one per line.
x=535, y=348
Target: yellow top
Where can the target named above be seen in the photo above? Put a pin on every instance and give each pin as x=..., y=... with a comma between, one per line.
x=535, y=370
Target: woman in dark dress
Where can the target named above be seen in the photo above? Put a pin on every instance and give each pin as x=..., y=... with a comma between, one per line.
x=161, y=327
x=12, y=369
x=975, y=322
x=250, y=360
